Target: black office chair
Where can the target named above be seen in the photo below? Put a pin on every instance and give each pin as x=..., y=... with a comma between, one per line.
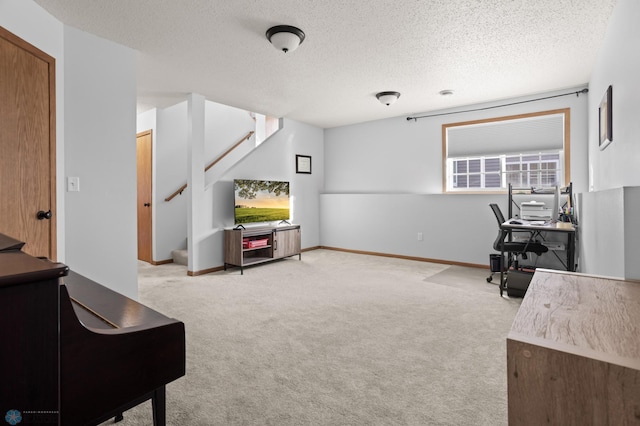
x=513, y=249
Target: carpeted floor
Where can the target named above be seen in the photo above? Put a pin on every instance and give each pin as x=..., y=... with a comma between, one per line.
x=335, y=339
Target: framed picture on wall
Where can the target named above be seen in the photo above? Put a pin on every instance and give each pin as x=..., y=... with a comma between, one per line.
x=303, y=164
x=605, y=119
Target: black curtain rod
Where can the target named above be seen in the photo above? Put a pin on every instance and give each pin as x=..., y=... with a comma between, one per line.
x=583, y=91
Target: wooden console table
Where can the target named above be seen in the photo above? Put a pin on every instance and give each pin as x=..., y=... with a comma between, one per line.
x=573, y=352
x=254, y=245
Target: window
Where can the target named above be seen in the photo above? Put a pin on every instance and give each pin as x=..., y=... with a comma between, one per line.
x=530, y=150
x=494, y=173
x=533, y=170
x=480, y=172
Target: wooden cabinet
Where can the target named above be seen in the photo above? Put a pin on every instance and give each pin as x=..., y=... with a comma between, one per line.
x=573, y=352
x=243, y=247
x=286, y=242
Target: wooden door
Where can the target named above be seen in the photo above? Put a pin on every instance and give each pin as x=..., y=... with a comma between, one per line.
x=27, y=145
x=145, y=164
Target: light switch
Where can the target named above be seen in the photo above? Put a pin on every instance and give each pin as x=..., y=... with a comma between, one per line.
x=73, y=184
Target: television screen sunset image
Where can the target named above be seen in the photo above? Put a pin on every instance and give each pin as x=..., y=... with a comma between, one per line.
x=261, y=201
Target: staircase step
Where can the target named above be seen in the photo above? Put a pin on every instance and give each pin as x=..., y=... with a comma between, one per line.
x=180, y=256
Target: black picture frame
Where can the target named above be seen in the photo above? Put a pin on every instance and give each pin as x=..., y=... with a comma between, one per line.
x=303, y=164
x=605, y=119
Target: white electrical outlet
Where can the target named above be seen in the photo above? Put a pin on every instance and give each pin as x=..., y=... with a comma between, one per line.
x=419, y=236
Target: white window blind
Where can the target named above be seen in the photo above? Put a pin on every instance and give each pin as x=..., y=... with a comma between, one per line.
x=532, y=134
x=523, y=150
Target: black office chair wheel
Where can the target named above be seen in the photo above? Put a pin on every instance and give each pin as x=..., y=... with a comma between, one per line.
x=489, y=279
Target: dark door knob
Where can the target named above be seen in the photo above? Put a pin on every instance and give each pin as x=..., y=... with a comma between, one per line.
x=43, y=215
x=147, y=204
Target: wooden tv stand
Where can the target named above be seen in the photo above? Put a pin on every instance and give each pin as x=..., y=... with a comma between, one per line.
x=261, y=244
x=573, y=353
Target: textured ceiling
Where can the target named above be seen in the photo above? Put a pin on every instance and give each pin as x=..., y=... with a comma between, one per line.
x=484, y=50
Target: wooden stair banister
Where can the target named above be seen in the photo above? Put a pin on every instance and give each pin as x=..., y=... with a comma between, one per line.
x=213, y=163
x=224, y=154
x=176, y=193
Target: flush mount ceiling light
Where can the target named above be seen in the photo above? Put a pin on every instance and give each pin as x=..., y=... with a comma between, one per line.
x=285, y=37
x=388, y=98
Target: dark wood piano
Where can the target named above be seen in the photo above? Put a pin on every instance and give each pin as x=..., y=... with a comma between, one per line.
x=74, y=352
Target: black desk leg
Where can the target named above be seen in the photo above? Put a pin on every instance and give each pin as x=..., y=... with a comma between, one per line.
x=159, y=404
x=571, y=247
x=502, y=265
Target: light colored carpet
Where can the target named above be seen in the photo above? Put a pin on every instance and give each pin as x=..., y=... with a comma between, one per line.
x=335, y=339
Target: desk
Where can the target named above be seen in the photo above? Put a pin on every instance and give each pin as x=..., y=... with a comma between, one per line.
x=535, y=228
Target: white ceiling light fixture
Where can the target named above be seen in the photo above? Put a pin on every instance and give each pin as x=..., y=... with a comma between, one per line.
x=285, y=37
x=388, y=98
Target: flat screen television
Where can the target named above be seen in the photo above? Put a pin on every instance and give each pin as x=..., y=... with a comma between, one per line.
x=260, y=201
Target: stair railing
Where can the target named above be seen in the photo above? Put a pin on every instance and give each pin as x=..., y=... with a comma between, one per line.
x=213, y=163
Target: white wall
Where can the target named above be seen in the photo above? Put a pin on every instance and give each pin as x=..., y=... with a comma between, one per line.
x=454, y=228
x=95, y=140
x=100, y=149
x=33, y=24
x=631, y=232
x=384, y=181
x=147, y=121
x=609, y=224
x=618, y=65
x=602, y=243
x=224, y=126
x=170, y=172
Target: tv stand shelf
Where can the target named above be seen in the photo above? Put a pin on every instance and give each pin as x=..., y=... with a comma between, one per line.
x=251, y=246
